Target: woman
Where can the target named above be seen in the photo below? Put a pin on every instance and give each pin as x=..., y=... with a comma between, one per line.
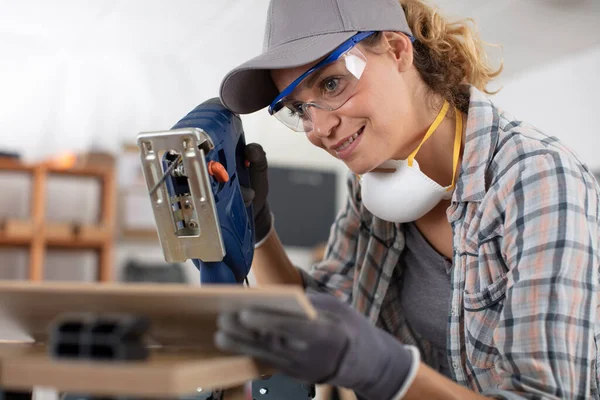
x=466, y=257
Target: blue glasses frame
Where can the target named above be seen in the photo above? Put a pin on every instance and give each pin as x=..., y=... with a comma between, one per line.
x=276, y=105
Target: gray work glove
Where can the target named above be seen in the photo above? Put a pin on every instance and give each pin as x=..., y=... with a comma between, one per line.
x=258, y=190
x=340, y=347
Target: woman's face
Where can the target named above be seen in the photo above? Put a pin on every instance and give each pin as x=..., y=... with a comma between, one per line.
x=380, y=114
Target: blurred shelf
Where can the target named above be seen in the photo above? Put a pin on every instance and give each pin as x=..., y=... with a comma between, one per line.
x=58, y=231
x=14, y=242
x=13, y=165
x=75, y=244
x=39, y=234
x=90, y=172
x=16, y=231
x=76, y=236
x=148, y=235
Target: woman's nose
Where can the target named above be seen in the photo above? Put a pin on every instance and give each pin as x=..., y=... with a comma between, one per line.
x=323, y=121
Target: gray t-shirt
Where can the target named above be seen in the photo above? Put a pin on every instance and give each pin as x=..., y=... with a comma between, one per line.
x=425, y=290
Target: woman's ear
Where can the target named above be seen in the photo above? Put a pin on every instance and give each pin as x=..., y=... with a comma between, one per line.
x=401, y=48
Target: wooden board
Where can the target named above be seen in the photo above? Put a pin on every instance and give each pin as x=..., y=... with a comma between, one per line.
x=181, y=315
x=165, y=375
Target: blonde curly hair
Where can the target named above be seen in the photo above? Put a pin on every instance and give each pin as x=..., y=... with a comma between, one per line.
x=449, y=55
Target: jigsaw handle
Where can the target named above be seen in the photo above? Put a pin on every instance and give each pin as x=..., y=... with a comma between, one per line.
x=215, y=272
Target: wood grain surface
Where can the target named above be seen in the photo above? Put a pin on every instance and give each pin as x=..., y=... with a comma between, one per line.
x=183, y=321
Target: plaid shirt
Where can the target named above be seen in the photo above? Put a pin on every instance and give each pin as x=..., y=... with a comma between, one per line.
x=524, y=304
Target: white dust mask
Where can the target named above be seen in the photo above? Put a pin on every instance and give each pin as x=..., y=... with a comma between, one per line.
x=406, y=194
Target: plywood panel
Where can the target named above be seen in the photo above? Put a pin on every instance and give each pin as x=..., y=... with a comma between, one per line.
x=181, y=315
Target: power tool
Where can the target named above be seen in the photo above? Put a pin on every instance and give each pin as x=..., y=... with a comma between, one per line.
x=194, y=174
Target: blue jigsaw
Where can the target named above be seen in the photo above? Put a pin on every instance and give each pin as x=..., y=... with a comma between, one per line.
x=194, y=172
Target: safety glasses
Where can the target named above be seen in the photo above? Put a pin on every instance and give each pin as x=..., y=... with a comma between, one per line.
x=327, y=85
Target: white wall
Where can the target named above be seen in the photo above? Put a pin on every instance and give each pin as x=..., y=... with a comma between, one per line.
x=562, y=99
x=80, y=74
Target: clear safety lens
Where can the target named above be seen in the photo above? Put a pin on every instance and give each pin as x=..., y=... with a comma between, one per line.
x=327, y=88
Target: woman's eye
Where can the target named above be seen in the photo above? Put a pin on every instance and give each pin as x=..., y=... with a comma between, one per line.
x=330, y=84
x=296, y=111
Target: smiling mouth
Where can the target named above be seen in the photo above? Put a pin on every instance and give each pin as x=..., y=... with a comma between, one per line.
x=351, y=139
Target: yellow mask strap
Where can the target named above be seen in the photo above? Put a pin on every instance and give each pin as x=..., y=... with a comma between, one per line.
x=457, y=142
x=432, y=128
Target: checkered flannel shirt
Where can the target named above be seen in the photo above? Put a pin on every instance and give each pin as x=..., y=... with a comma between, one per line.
x=524, y=319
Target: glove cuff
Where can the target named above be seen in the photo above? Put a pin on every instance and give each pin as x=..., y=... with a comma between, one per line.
x=264, y=230
x=412, y=373
x=395, y=373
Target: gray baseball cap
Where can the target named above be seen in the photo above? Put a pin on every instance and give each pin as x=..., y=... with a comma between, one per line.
x=299, y=32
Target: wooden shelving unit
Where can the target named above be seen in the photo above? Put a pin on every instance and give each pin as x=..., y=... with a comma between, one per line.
x=38, y=233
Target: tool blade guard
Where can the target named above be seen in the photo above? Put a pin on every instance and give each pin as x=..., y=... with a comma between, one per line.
x=193, y=173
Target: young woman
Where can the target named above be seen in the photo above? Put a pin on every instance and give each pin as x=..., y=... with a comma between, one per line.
x=465, y=262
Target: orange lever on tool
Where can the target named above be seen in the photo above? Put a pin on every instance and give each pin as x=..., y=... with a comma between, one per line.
x=217, y=170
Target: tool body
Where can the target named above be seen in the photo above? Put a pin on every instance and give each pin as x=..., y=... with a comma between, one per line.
x=199, y=210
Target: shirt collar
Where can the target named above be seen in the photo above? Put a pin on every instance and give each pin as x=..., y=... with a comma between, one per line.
x=481, y=137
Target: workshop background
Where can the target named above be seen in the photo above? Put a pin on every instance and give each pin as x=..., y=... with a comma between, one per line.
x=79, y=80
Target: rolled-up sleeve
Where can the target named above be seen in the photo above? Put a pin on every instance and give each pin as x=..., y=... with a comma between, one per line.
x=335, y=273
x=546, y=332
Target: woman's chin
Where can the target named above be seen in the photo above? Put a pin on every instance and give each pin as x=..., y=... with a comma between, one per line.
x=361, y=168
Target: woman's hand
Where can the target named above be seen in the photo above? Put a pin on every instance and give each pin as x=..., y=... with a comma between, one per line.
x=258, y=190
x=340, y=347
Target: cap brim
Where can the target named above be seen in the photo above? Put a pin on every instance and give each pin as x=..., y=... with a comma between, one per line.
x=249, y=87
